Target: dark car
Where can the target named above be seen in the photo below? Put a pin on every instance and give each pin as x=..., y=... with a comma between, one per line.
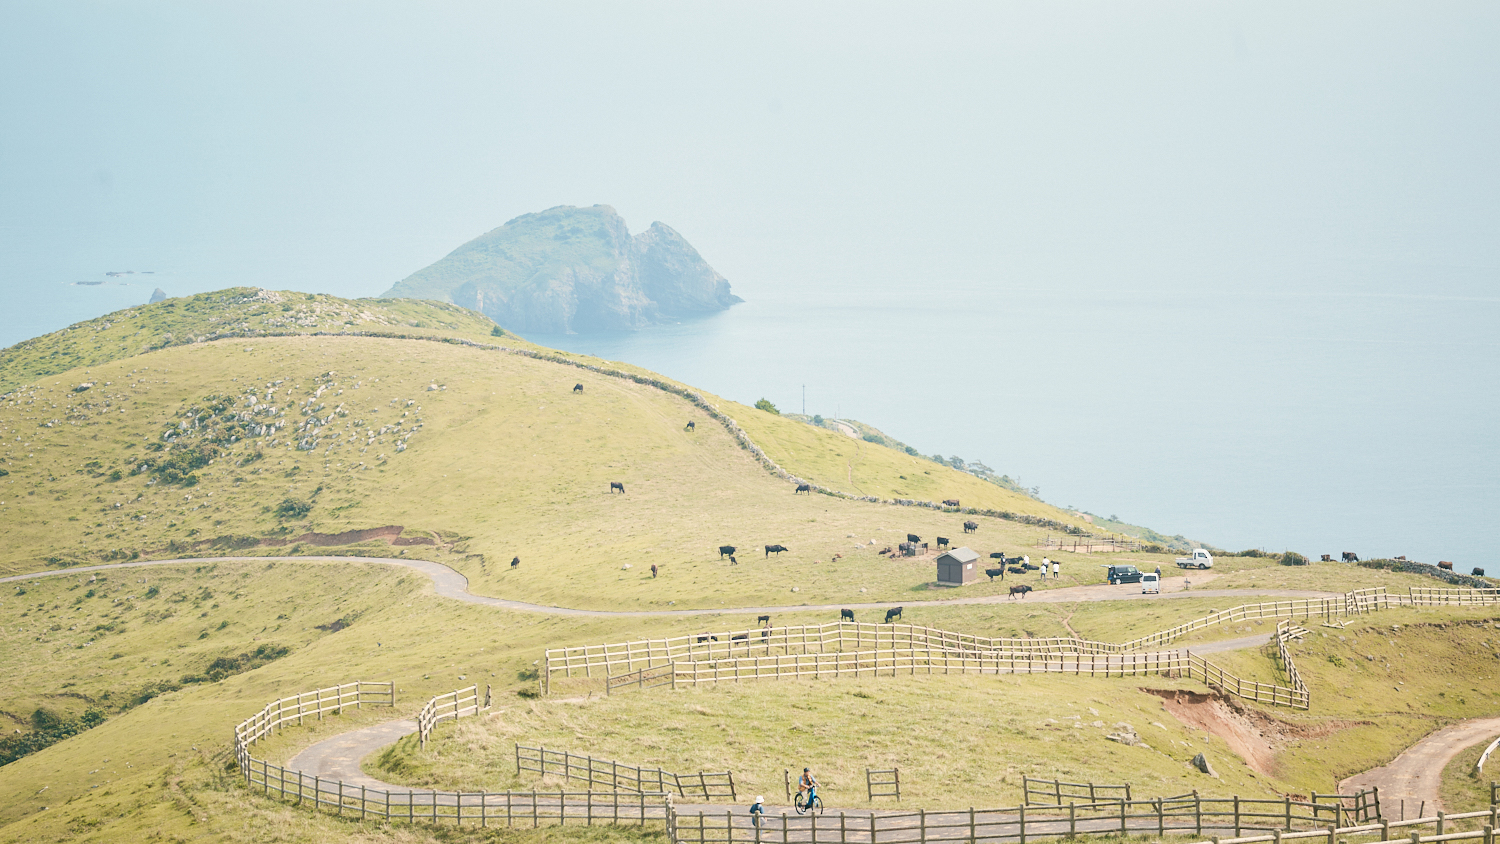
x=1124, y=574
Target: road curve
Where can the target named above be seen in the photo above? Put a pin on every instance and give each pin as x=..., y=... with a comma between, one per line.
x=451, y=584
x=1414, y=778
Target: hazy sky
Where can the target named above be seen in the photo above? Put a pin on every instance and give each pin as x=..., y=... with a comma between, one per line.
x=1111, y=146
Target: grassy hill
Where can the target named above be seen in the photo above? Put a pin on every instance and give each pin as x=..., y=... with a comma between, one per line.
x=316, y=437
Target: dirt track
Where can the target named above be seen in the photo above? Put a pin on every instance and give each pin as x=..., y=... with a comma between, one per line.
x=451, y=584
x=1416, y=775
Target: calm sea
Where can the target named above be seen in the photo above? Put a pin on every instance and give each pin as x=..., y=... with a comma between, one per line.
x=1319, y=423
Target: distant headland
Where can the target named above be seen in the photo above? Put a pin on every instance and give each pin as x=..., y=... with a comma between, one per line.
x=574, y=270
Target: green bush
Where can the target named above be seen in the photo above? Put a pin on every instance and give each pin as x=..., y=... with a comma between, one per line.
x=1292, y=558
x=497, y=331
x=765, y=404
x=292, y=508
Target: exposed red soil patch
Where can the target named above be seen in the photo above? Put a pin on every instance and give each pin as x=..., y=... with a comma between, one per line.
x=1253, y=735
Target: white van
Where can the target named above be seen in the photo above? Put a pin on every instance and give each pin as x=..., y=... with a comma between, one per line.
x=1150, y=582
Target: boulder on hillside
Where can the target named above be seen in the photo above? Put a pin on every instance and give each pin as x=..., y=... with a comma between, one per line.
x=1201, y=763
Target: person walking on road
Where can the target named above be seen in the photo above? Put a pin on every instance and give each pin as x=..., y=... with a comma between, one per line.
x=757, y=810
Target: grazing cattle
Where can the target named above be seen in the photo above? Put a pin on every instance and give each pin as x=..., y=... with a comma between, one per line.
x=1327, y=558
x=1016, y=569
x=614, y=485
x=950, y=502
x=970, y=527
x=894, y=612
x=1402, y=558
x=653, y=569
x=807, y=488
x=1019, y=590
x=886, y=550
x=739, y=637
x=765, y=620
x=941, y=541
x=1478, y=572
x=993, y=573
x=1351, y=557
x=998, y=555
x=577, y=388
x=691, y=426
x=705, y=637
x=725, y=551
x=515, y=561
x=775, y=549
x=1444, y=564
x=846, y=615
x=912, y=537
x=733, y=561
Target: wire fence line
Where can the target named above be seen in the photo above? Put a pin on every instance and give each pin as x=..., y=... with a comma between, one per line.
x=613, y=775
x=1188, y=814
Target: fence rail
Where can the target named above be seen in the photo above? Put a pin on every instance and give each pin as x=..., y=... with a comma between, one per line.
x=1185, y=814
x=883, y=783
x=1061, y=792
x=611, y=774
x=448, y=707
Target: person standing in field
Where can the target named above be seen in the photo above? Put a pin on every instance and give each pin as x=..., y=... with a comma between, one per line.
x=1056, y=568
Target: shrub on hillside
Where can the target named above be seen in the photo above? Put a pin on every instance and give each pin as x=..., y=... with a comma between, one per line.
x=48, y=728
x=1292, y=558
x=765, y=404
x=292, y=508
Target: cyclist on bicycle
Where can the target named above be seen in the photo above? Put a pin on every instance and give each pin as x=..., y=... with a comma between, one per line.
x=807, y=784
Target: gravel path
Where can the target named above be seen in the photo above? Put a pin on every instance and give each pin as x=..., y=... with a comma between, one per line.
x=452, y=584
x=1412, y=779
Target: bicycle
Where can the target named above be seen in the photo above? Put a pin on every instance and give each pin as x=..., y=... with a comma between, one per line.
x=799, y=802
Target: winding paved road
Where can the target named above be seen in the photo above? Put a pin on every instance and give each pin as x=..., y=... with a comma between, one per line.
x=1413, y=779
x=452, y=584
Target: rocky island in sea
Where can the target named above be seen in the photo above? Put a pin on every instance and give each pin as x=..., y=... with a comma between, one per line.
x=574, y=270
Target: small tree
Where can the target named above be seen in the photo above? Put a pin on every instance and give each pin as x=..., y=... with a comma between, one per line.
x=497, y=331
x=1292, y=558
x=817, y=419
x=765, y=404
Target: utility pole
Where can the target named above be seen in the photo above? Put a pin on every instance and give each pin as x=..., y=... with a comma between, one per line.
x=804, y=399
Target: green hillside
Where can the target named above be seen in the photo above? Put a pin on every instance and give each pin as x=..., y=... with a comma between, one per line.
x=332, y=434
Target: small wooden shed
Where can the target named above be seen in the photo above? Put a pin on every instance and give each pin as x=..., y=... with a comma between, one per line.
x=957, y=567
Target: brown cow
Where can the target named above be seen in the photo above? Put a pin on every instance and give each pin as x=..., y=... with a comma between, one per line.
x=950, y=502
x=1019, y=590
x=1327, y=558
x=1444, y=564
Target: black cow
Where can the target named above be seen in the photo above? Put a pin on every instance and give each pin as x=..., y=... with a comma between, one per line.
x=1351, y=557
x=993, y=573
x=775, y=549
x=913, y=538
x=998, y=555
x=971, y=526
x=1444, y=564
x=614, y=485
x=691, y=426
x=739, y=637
x=807, y=488
x=577, y=388
x=1019, y=590
x=765, y=620
x=846, y=615
x=515, y=561
x=894, y=612
x=704, y=637
x=950, y=502
x=1478, y=572
x=733, y=561
x=941, y=541
x=653, y=569
x=725, y=551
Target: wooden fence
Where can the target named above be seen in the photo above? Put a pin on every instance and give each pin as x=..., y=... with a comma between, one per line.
x=620, y=658
x=613, y=775
x=476, y=808
x=1058, y=793
x=1188, y=814
x=448, y=707
x=886, y=783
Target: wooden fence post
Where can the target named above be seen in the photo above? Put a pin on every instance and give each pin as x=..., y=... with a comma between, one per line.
x=1023, y=823
x=1236, y=816
x=1197, y=813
